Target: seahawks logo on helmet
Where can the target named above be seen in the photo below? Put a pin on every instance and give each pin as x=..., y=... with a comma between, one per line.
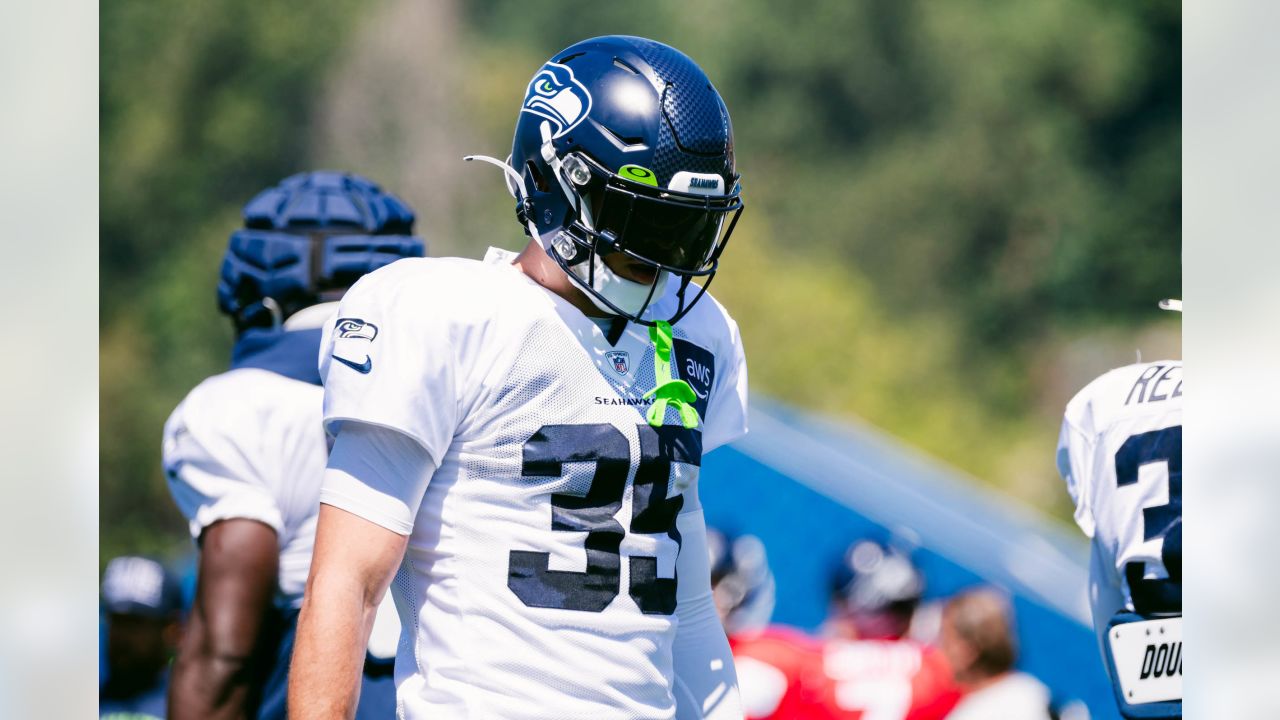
x=555, y=94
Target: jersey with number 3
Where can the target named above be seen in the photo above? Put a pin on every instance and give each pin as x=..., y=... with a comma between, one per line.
x=1120, y=452
x=540, y=571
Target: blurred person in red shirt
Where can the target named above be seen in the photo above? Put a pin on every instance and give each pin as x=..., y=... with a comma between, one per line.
x=865, y=669
x=868, y=669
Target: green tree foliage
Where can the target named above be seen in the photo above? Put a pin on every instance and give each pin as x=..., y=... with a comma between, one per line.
x=957, y=212
x=202, y=105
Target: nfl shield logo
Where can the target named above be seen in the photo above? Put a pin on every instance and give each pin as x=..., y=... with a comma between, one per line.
x=619, y=360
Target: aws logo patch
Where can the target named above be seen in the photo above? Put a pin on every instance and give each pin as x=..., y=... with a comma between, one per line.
x=696, y=366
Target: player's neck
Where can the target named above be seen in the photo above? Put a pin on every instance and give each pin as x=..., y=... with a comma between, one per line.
x=534, y=262
x=974, y=683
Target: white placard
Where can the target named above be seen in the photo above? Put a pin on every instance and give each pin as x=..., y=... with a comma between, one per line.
x=1148, y=659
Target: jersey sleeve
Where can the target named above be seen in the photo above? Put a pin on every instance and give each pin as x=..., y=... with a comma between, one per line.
x=705, y=683
x=1075, y=464
x=387, y=360
x=209, y=455
x=727, y=409
x=378, y=474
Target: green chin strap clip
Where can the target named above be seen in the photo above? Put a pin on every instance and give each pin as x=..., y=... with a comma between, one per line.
x=668, y=390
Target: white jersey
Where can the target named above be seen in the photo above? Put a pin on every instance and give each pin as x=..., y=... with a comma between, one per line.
x=1016, y=696
x=1120, y=452
x=249, y=444
x=541, y=563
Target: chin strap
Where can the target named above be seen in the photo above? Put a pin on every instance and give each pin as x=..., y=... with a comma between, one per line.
x=668, y=390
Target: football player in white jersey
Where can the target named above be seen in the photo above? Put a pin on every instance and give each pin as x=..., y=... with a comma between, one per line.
x=518, y=440
x=1120, y=453
x=245, y=451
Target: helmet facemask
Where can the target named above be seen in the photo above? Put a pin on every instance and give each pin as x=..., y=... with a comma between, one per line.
x=675, y=233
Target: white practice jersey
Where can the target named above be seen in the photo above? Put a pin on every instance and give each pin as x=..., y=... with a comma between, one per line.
x=249, y=444
x=540, y=569
x=1120, y=452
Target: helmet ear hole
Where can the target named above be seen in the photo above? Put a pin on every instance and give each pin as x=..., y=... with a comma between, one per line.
x=539, y=181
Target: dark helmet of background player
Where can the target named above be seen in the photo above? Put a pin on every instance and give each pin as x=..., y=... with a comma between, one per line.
x=741, y=581
x=876, y=589
x=142, y=603
x=308, y=239
x=624, y=146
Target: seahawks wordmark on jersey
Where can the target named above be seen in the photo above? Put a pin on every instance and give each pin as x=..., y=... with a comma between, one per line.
x=540, y=570
x=1120, y=452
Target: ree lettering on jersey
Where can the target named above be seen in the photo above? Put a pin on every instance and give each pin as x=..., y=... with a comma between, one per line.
x=351, y=339
x=1156, y=383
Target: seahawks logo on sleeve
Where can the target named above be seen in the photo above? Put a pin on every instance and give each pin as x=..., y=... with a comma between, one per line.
x=356, y=328
x=350, y=339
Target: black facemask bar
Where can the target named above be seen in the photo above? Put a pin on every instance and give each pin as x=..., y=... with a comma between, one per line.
x=677, y=231
x=614, y=215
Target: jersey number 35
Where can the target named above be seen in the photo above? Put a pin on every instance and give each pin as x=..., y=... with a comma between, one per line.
x=544, y=454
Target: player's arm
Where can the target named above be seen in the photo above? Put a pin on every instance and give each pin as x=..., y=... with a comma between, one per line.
x=373, y=485
x=213, y=673
x=706, y=685
x=210, y=451
x=389, y=382
x=353, y=564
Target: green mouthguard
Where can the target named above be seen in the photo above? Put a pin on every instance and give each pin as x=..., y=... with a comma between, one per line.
x=668, y=391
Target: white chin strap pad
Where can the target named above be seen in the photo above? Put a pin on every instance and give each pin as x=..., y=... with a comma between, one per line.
x=628, y=295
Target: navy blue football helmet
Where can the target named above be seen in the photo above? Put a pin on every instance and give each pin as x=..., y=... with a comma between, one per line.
x=306, y=241
x=624, y=146
x=878, y=587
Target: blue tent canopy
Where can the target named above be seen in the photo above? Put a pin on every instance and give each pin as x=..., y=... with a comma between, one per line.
x=808, y=487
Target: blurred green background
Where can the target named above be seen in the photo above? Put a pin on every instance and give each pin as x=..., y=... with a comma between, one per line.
x=958, y=212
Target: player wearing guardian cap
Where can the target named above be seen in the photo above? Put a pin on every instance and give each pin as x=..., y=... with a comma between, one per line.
x=245, y=451
x=1120, y=453
x=518, y=440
